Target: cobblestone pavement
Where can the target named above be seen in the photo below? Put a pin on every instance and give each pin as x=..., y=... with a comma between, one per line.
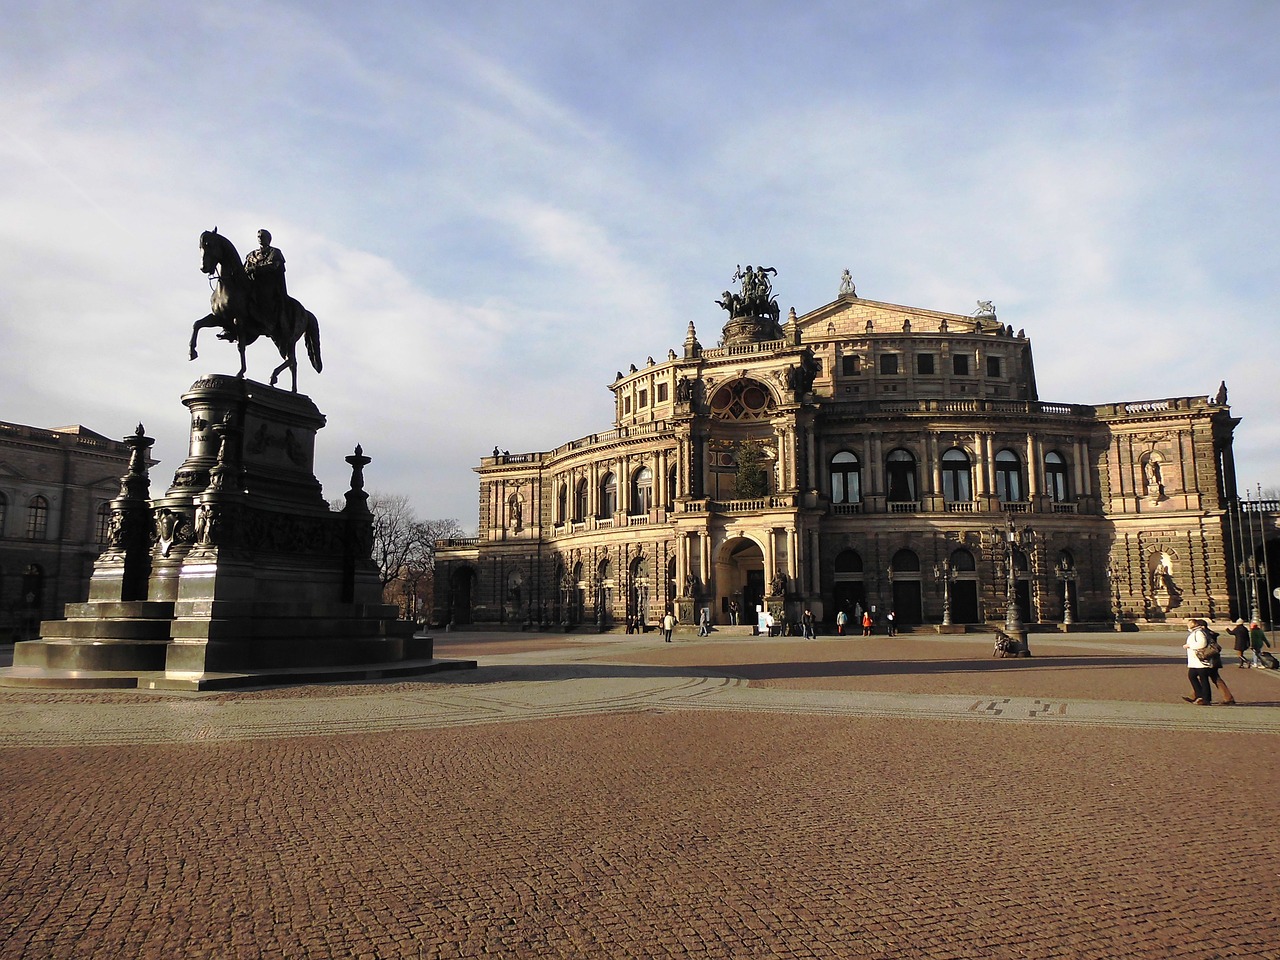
x=591, y=797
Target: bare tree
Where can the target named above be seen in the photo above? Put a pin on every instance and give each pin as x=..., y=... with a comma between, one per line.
x=404, y=548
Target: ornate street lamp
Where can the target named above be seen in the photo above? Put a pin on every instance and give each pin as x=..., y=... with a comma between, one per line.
x=946, y=574
x=1249, y=569
x=1013, y=538
x=1067, y=574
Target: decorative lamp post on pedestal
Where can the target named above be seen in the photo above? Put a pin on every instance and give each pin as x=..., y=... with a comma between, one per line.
x=1013, y=539
x=946, y=574
x=1249, y=570
x=1067, y=574
x=1113, y=578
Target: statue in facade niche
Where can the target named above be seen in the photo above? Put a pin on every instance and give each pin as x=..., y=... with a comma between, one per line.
x=250, y=301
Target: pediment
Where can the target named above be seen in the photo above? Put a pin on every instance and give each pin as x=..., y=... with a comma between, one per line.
x=11, y=472
x=853, y=317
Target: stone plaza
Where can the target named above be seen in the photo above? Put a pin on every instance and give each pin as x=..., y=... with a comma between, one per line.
x=589, y=796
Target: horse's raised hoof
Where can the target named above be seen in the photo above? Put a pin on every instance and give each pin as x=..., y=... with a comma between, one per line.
x=193, y=354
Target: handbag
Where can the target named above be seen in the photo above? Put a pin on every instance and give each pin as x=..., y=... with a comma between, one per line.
x=1210, y=649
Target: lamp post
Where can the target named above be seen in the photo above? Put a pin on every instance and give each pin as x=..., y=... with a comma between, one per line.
x=1067, y=574
x=1249, y=569
x=945, y=573
x=1113, y=578
x=1013, y=538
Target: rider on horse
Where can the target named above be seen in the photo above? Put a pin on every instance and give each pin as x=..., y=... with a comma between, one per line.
x=267, y=293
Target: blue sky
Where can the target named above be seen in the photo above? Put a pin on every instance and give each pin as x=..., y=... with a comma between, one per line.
x=493, y=207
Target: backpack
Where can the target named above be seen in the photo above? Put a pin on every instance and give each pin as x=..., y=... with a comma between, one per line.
x=1211, y=647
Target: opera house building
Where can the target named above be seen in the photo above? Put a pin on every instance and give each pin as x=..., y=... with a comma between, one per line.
x=865, y=457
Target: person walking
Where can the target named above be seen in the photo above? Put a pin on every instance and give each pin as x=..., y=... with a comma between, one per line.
x=1241, y=634
x=1197, y=669
x=842, y=619
x=806, y=624
x=892, y=620
x=1215, y=664
x=866, y=624
x=668, y=624
x=733, y=612
x=704, y=623
x=1258, y=640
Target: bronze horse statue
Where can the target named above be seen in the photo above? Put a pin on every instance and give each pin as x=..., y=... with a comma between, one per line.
x=235, y=310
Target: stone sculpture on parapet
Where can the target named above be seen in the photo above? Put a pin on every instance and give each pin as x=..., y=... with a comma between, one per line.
x=249, y=301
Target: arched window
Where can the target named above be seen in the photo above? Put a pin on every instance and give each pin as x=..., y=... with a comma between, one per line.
x=608, y=495
x=900, y=473
x=671, y=489
x=905, y=561
x=580, y=496
x=962, y=561
x=4, y=512
x=1055, y=477
x=642, y=491
x=846, y=478
x=1008, y=477
x=848, y=561
x=103, y=527
x=957, y=476
x=562, y=503
x=37, y=518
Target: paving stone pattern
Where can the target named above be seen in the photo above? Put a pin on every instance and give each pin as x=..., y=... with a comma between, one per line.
x=556, y=804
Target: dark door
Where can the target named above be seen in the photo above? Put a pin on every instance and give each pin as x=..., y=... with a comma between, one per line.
x=964, y=601
x=906, y=602
x=1023, y=595
x=849, y=595
x=752, y=595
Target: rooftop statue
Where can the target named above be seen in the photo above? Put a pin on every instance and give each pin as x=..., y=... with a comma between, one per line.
x=251, y=301
x=756, y=298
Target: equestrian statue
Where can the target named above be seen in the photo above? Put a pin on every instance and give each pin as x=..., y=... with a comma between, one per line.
x=250, y=301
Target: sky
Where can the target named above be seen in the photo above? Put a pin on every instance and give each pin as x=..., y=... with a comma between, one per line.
x=493, y=207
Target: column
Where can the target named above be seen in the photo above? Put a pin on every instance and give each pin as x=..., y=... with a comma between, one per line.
x=1033, y=467
x=935, y=459
x=793, y=568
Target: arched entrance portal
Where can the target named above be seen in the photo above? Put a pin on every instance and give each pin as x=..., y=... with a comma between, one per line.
x=740, y=577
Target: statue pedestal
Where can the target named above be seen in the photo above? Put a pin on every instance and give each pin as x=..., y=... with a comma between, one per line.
x=252, y=576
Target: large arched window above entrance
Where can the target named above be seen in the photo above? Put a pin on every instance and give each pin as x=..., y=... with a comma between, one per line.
x=744, y=399
x=900, y=474
x=1055, y=477
x=608, y=495
x=962, y=561
x=1009, y=477
x=905, y=561
x=848, y=561
x=642, y=491
x=846, y=478
x=957, y=476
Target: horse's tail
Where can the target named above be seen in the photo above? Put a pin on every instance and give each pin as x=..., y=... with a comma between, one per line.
x=312, y=337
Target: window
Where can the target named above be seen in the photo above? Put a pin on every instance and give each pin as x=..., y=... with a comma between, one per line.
x=608, y=495
x=580, y=502
x=1055, y=477
x=889, y=364
x=671, y=489
x=1008, y=477
x=848, y=561
x=900, y=473
x=644, y=398
x=662, y=393
x=993, y=367
x=924, y=364
x=104, y=522
x=626, y=404
x=960, y=364
x=37, y=518
x=905, y=561
x=642, y=491
x=562, y=503
x=962, y=561
x=851, y=365
x=4, y=511
x=957, y=477
x=846, y=478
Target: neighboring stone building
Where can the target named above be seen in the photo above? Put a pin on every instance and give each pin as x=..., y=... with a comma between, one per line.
x=907, y=454
x=55, y=486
